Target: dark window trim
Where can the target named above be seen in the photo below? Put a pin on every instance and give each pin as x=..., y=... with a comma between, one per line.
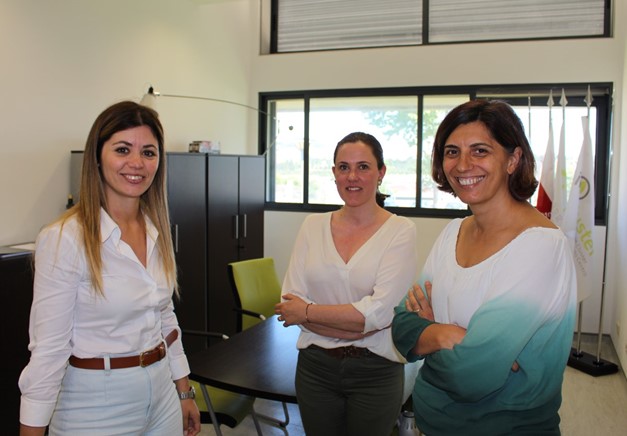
x=274, y=26
x=516, y=94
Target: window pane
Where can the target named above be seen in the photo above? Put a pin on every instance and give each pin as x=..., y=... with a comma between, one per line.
x=435, y=109
x=489, y=20
x=285, y=152
x=299, y=145
x=322, y=24
x=305, y=25
x=392, y=120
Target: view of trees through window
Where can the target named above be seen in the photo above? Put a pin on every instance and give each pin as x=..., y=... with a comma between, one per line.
x=304, y=131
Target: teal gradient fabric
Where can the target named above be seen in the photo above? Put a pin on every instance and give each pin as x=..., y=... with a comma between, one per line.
x=518, y=306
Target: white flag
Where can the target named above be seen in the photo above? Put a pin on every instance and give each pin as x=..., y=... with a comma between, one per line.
x=560, y=187
x=578, y=223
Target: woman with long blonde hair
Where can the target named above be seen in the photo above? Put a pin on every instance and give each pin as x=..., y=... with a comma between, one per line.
x=105, y=275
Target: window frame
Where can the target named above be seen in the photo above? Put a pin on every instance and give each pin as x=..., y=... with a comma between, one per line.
x=515, y=94
x=425, y=32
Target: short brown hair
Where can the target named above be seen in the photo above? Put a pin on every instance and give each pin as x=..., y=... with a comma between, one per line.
x=506, y=129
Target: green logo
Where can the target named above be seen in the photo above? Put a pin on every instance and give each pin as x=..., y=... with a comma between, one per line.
x=584, y=187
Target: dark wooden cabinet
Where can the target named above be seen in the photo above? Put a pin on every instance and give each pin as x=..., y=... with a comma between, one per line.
x=16, y=285
x=216, y=211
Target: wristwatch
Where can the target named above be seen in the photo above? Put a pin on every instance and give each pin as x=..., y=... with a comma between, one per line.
x=191, y=394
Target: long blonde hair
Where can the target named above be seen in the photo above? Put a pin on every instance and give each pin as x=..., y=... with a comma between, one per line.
x=153, y=203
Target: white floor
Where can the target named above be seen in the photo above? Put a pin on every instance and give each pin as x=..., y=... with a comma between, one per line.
x=594, y=405
x=590, y=406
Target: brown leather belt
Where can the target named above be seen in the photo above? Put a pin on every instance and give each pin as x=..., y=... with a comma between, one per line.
x=344, y=352
x=145, y=358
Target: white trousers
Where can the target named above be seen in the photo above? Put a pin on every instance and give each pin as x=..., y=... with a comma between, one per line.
x=130, y=401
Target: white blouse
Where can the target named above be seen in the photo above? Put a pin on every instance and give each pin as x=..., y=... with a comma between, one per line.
x=374, y=280
x=69, y=318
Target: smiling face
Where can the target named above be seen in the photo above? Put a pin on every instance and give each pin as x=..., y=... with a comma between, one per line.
x=128, y=162
x=356, y=173
x=476, y=166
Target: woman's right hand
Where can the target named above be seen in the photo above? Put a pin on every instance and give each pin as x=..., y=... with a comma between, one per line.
x=292, y=310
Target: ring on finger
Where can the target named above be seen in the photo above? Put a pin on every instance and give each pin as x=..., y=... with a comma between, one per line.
x=417, y=310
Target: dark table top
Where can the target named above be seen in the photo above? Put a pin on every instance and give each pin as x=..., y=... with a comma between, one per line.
x=259, y=361
x=14, y=253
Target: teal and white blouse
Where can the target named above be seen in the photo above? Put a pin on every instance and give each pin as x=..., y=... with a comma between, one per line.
x=517, y=306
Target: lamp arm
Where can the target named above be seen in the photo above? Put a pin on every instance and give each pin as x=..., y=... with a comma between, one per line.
x=154, y=93
x=148, y=100
x=191, y=97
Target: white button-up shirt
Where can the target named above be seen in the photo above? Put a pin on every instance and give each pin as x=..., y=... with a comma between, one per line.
x=68, y=317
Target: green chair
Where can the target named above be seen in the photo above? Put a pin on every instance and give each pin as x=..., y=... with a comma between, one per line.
x=256, y=289
x=218, y=406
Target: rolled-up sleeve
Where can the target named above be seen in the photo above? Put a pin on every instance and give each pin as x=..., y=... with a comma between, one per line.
x=394, y=275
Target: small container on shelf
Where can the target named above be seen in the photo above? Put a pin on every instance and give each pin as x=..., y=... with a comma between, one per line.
x=210, y=147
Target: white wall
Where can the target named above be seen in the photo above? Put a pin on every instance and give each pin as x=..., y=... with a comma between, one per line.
x=64, y=61
x=617, y=246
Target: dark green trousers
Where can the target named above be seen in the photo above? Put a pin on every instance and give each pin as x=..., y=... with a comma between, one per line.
x=352, y=396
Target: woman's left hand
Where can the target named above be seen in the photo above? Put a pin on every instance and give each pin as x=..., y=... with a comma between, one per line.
x=418, y=303
x=191, y=417
x=292, y=310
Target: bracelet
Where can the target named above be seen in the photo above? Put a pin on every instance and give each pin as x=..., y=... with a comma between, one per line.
x=189, y=395
x=307, y=312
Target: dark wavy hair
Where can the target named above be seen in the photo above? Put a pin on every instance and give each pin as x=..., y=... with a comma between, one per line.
x=505, y=128
x=374, y=145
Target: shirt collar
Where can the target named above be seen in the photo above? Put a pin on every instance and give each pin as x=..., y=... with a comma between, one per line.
x=109, y=229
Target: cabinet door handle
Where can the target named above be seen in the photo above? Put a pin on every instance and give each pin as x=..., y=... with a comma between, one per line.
x=236, y=227
x=245, y=225
x=176, y=238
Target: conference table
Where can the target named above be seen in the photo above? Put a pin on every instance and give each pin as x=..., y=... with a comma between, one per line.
x=259, y=361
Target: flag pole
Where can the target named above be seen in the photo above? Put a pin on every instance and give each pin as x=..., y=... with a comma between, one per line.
x=544, y=202
x=578, y=352
x=560, y=188
x=578, y=359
